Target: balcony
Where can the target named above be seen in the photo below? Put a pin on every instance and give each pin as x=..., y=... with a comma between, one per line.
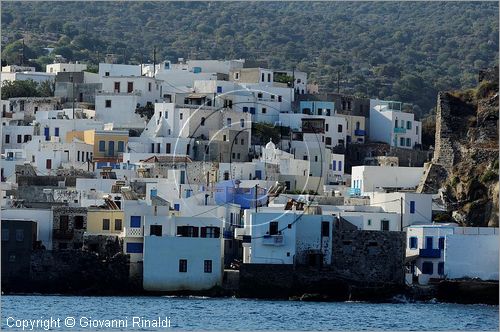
x=430, y=253
x=354, y=191
x=133, y=231
x=359, y=132
x=273, y=240
x=399, y=130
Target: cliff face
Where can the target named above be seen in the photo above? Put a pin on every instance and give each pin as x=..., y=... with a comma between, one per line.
x=464, y=169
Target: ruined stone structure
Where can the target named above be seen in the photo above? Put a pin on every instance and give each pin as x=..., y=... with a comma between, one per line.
x=69, y=225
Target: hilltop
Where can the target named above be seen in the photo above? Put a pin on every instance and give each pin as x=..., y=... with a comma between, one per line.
x=398, y=51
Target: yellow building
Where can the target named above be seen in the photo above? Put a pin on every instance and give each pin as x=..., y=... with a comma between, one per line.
x=86, y=136
x=356, y=128
x=101, y=221
x=109, y=144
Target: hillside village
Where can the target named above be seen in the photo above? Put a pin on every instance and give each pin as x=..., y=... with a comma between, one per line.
x=207, y=174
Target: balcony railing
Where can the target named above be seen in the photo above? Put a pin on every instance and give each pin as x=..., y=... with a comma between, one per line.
x=273, y=240
x=354, y=191
x=133, y=231
x=359, y=132
x=399, y=130
x=430, y=253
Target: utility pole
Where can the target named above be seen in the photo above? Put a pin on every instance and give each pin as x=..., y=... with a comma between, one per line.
x=401, y=210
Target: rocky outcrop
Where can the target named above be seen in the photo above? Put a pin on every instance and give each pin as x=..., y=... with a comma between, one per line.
x=464, y=168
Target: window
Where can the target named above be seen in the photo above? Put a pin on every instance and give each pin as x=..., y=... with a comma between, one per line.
x=7, y=139
x=5, y=234
x=135, y=221
x=427, y=268
x=78, y=222
x=408, y=124
x=441, y=268
x=280, y=99
x=325, y=228
x=105, y=224
x=183, y=265
x=224, y=138
x=202, y=122
x=149, y=86
x=130, y=87
x=234, y=155
x=441, y=243
x=408, y=141
x=262, y=77
x=19, y=138
x=273, y=228
x=259, y=95
x=315, y=158
x=167, y=147
x=396, y=123
x=102, y=146
x=264, y=110
x=369, y=222
x=155, y=230
x=219, y=89
x=134, y=248
x=19, y=235
x=48, y=164
x=328, y=141
x=334, y=165
x=106, y=73
x=428, y=242
x=401, y=141
x=229, y=121
x=108, y=103
x=252, y=110
x=117, y=87
x=187, y=231
x=384, y=225
x=77, y=155
x=304, y=158
x=413, y=243
x=180, y=116
x=416, y=130
x=242, y=123
x=207, y=266
x=326, y=127
x=210, y=232
x=339, y=128
x=121, y=146
x=236, y=76
x=269, y=77
x=245, y=109
x=118, y=224
x=412, y=207
x=242, y=141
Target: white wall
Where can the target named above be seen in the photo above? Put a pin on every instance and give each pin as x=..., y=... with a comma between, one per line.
x=471, y=256
x=369, y=178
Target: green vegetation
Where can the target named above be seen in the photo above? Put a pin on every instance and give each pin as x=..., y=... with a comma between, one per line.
x=404, y=51
x=489, y=175
x=27, y=88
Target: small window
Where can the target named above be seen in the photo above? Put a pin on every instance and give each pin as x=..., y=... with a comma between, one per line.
x=427, y=268
x=408, y=124
x=118, y=224
x=259, y=95
x=155, y=230
x=19, y=138
x=384, y=225
x=79, y=222
x=325, y=228
x=280, y=99
x=401, y=141
x=369, y=222
x=105, y=224
x=339, y=129
x=245, y=109
x=242, y=141
x=229, y=122
x=183, y=265
x=102, y=146
x=340, y=165
x=264, y=110
x=242, y=123
x=117, y=87
x=224, y=138
x=207, y=266
x=121, y=146
x=106, y=73
x=441, y=243
x=219, y=89
x=273, y=228
x=180, y=116
x=135, y=221
x=202, y=122
x=408, y=141
x=412, y=206
x=413, y=243
x=130, y=87
x=7, y=139
x=326, y=127
x=108, y=103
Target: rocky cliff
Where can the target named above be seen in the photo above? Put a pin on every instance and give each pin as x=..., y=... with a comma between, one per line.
x=464, y=169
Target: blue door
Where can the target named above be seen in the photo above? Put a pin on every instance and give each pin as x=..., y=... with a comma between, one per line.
x=46, y=133
x=428, y=242
x=258, y=174
x=154, y=192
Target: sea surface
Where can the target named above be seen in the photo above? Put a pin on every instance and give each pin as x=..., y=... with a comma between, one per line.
x=199, y=313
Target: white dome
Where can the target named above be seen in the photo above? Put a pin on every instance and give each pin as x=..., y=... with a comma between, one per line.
x=270, y=145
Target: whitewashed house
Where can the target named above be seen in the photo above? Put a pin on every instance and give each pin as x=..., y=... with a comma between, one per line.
x=389, y=124
x=182, y=253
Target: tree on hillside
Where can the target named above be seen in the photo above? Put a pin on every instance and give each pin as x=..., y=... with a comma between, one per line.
x=14, y=89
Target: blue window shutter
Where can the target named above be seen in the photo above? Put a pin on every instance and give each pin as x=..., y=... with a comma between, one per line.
x=219, y=89
x=134, y=248
x=441, y=243
x=46, y=133
x=154, y=192
x=135, y=221
x=334, y=165
x=56, y=132
x=252, y=110
x=177, y=207
x=340, y=165
x=427, y=268
x=412, y=206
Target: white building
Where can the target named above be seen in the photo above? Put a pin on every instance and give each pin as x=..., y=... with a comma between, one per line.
x=182, y=253
x=368, y=179
x=451, y=252
x=415, y=208
x=389, y=124
x=63, y=67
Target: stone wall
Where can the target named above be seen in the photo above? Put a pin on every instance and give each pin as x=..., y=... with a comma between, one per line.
x=356, y=154
x=72, y=236
x=369, y=256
